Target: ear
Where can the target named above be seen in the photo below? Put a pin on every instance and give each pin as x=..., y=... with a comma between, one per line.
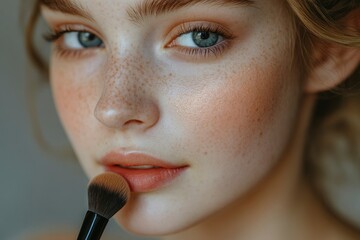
x=332, y=64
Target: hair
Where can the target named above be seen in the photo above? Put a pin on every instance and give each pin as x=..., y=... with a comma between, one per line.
x=334, y=133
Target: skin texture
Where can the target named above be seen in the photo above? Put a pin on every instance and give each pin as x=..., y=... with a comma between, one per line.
x=236, y=119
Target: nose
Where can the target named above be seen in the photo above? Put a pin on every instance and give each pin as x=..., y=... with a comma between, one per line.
x=126, y=102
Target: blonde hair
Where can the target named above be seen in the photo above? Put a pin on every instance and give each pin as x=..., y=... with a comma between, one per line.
x=334, y=135
x=333, y=146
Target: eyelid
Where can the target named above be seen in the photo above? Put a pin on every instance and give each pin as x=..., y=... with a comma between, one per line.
x=199, y=53
x=65, y=28
x=187, y=27
x=58, y=32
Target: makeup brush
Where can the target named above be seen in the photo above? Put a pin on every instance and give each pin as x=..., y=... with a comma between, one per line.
x=107, y=194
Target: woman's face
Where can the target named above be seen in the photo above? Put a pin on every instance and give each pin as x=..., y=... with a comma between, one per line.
x=193, y=105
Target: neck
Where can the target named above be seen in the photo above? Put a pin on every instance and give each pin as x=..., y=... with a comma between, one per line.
x=281, y=207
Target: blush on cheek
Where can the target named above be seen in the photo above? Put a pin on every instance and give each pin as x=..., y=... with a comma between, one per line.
x=73, y=101
x=66, y=102
x=76, y=90
x=247, y=113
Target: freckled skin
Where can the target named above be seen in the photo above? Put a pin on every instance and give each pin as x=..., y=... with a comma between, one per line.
x=124, y=98
x=228, y=118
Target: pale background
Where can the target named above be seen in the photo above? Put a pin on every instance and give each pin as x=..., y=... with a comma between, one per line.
x=39, y=191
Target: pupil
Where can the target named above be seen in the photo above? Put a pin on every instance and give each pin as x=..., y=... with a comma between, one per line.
x=204, y=35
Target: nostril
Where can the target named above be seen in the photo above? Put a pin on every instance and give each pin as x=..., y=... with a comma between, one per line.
x=133, y=121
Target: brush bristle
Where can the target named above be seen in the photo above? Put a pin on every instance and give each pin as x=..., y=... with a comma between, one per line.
x=107, y=193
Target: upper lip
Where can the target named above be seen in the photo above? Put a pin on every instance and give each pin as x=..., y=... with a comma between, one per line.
x=135, y=159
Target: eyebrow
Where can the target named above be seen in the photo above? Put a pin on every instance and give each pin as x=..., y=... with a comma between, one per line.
x=141, y=10
x=66, y=6
x=157, y=7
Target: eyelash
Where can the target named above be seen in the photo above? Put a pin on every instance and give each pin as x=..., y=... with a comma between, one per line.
x=205, y=52
x=184, y=28
x=60, y=50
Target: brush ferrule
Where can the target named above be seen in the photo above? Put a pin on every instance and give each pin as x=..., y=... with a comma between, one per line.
x=93, y=226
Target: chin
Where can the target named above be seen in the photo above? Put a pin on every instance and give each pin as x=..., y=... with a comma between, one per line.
x=145, y=216
x=154, y=228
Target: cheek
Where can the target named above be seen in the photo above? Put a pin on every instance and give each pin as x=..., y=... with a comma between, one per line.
x=248, y=114
x=74, y=94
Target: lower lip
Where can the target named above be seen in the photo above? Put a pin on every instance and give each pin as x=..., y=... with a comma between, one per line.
x=146, y=180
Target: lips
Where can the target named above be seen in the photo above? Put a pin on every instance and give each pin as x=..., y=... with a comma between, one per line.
x=142, y=172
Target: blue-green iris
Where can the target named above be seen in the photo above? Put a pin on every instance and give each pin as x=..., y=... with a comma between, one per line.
x=89, y=40
x=205, y=39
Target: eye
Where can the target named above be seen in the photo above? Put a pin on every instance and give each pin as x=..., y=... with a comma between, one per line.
x=73, y=42
x=78, y=40
x=201, y=39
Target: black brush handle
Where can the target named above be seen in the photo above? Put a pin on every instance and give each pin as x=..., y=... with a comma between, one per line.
x=93, y=226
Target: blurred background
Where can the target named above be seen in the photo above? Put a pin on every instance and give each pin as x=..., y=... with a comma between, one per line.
x=42, y=191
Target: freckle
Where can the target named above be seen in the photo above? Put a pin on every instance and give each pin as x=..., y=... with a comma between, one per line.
x=261, y=134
